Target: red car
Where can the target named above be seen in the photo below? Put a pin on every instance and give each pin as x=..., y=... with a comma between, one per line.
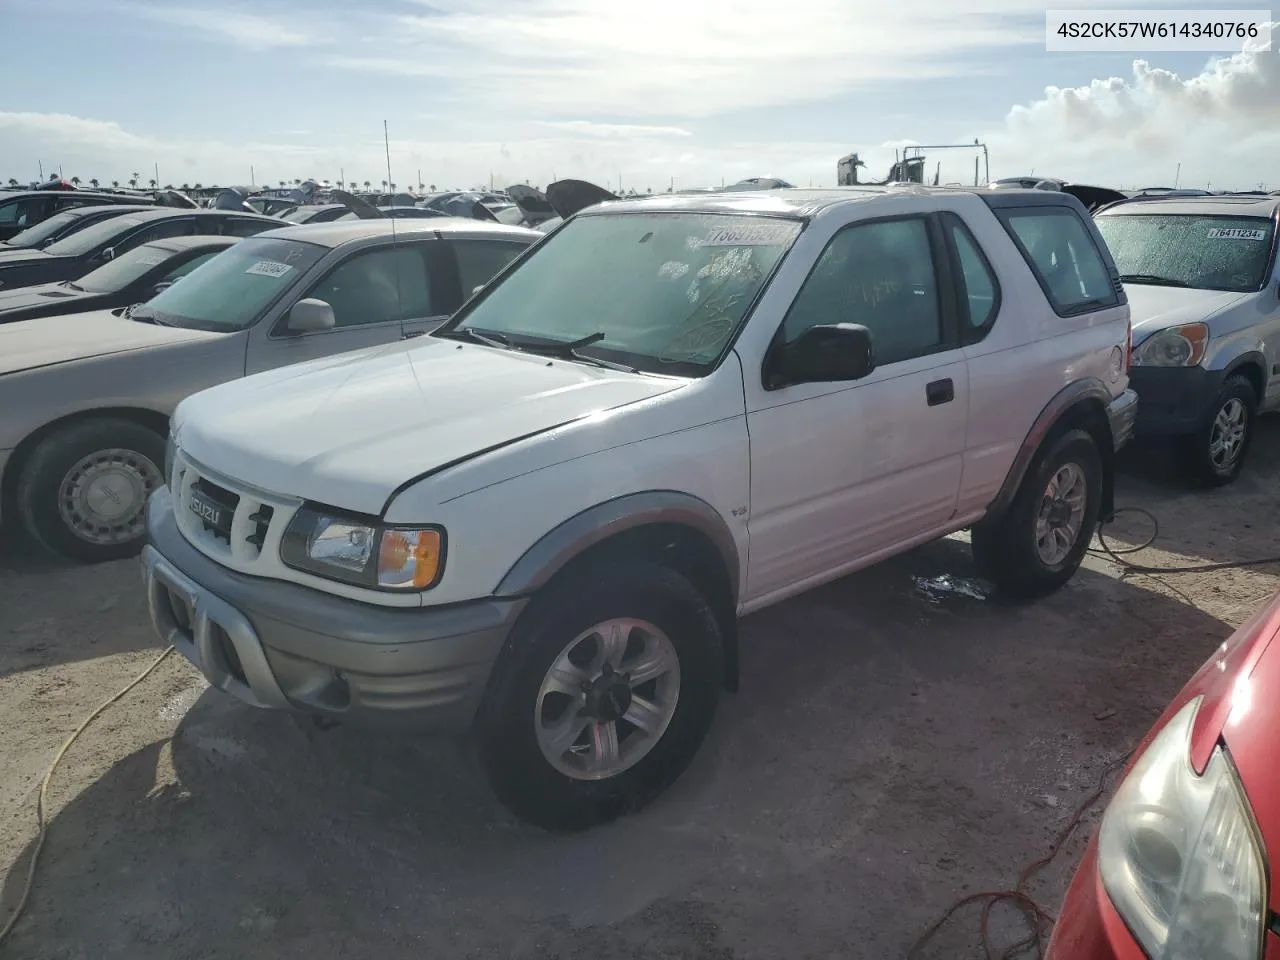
x=1179, y=869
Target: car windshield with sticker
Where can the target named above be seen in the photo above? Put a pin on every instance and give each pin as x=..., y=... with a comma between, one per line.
x=662, y=292
x=1205, y=252
x=230, y=291
x=114, y=275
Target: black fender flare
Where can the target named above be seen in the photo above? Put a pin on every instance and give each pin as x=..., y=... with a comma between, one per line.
x=1079, y=394
x=549, y=554
x=1251, y=357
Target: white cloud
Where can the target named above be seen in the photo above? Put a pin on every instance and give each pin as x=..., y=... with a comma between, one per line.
x=587, y=128
x=1222, y=125
x=241, y=27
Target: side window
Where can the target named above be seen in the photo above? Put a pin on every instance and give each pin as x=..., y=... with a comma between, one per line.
x=377, y=287
x=26, y=213
x=181, y=271
x=980, y=293
x=166, y=228
x=480, y=260
x=880, y=275
x=1058, y=247
x=237, y=227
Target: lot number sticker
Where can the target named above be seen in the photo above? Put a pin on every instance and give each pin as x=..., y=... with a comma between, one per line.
x=269, y=268
x=756, y=235
x=1236, y=233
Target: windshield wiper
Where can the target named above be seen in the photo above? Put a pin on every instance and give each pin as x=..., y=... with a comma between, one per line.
x=73, y=285
x=499, y=340
x=143, y=314
x=570, y=350
x=1152, y=278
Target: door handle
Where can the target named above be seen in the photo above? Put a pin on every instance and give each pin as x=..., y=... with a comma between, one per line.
x=940, y=391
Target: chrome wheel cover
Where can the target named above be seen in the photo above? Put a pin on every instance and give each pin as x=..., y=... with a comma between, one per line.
x=1061, y=516
x=607, y=699
x=1226, y=434
x=102, y=498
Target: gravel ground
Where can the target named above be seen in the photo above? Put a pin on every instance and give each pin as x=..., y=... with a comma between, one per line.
x=885, y=755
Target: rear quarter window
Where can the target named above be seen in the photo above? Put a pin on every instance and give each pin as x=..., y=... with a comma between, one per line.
x=1062, y=253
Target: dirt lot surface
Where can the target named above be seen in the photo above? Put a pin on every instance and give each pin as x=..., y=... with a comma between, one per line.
x=885, y=755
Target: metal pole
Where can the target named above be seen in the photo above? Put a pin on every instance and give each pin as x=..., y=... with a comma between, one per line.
x=252, y=182
x=1177, y=176
x=41, y=162
x=157, y=166
x=386, y=142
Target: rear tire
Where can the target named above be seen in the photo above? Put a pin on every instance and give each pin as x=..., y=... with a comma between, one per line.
x=1039, y=542
x=537, y=766
x=82, y=493
x=1216, y=452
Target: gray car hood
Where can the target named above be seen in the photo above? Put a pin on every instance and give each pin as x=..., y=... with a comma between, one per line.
x=351, y=430
x=79, y=336
x=1155, y=308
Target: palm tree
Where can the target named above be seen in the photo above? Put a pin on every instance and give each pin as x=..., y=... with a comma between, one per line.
x=384, y=186
x=367, y=184
x=421, y=186
x=186, y=186
x=353, y=184
x=197, y=187
x=153, y=183
x=93, y=182
x=297, y=181
x=133, y=181
x=432, y=188
x=393, y=186
x=13, y=181
x=168, y=186
x=75, y=181
x=115, y=184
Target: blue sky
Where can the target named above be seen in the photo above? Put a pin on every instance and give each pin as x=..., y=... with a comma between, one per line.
x=646, y=93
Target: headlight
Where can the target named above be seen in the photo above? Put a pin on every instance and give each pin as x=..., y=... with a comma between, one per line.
x=1179, y=854
x=1176, y=347
x=364, y=553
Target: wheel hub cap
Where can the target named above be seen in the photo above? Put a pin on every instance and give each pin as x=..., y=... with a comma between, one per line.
x=101, y=498
x=607, y=699
x=1226, y=437
x=1061, y=516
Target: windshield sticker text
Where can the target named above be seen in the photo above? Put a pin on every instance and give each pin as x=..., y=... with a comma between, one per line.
x=269, y=268
x=1236, y=233
x=755, y=235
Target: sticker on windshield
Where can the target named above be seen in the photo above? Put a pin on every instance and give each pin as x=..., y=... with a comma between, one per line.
x=1236, y=233
x=755, y=235
x=151, y=261
x=269, y=268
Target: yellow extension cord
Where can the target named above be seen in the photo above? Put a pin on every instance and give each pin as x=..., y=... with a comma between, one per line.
x=44, y=789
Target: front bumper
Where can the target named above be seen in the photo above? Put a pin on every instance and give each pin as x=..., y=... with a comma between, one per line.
x=280, y=645
x=1173, y=400
x=1123, y=412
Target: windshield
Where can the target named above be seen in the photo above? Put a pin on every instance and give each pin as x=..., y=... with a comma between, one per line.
x=230, y=291
x=34, y=236
x=90, y=238
x=661, y=292
x=115, y=275
x=1205, y=252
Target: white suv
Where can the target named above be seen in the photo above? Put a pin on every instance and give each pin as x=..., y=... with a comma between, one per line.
x=543, y=521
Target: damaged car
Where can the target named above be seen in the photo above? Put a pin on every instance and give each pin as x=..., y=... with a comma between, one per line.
x=1201, y=277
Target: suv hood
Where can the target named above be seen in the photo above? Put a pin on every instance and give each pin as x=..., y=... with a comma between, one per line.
x=349, y=431
x=80, y=336
x=1155, y=308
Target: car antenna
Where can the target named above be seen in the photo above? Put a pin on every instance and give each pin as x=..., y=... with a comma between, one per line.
x=386, y=143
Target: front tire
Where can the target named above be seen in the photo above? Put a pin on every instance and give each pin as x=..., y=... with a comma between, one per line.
x=1038, y=544
x=602, y=694
x=1216, y=452
x=83, y=491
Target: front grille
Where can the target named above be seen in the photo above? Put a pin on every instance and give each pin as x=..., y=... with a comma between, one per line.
x=231, y=524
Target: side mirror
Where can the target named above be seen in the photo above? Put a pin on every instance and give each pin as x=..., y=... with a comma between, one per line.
x=828, y=354
x=310, y=316
x=108, y=254
x=162, y=286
